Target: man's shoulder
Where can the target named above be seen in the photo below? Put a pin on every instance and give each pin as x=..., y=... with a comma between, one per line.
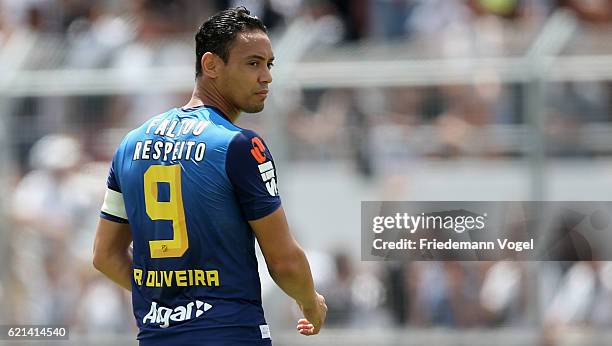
x=244, y=136
x=248, y=140
x=247, y=145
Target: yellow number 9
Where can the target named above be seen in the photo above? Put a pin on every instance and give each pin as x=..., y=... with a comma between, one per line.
x=171, y=210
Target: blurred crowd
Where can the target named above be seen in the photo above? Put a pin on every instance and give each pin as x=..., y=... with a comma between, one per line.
x=355, y=20
x=447, y=121
x=552, y=296
x=54, y=210
x=385, y=129
x=62, y=158
x=54, y=214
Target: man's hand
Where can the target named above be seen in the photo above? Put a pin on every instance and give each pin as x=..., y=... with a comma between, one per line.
x=314, y=316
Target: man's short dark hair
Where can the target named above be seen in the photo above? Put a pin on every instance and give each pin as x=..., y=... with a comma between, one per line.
x=217, y=33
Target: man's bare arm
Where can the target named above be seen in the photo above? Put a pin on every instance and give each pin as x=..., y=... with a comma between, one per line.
x=111, y=252
x=289, y=268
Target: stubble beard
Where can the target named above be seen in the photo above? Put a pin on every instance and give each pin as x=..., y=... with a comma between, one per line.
x=254, y=108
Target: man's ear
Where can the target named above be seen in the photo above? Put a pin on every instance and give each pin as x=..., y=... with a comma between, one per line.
x=211, y=64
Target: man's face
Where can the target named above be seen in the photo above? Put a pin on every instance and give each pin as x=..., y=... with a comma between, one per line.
x=245, y=77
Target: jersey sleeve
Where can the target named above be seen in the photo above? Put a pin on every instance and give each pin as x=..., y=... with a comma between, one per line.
x=250, y=168
x=113, y=208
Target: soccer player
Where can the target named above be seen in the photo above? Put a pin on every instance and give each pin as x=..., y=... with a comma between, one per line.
x=192, y=190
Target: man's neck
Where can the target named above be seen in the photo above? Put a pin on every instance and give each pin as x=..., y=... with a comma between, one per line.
x=209, y=95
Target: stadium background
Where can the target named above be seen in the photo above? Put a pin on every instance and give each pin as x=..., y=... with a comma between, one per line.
x=371, y=100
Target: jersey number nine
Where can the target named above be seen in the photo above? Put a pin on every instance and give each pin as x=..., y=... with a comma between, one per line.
x=170, y=210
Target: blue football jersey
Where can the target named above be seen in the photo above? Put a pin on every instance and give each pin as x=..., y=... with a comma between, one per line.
x=187, y=182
